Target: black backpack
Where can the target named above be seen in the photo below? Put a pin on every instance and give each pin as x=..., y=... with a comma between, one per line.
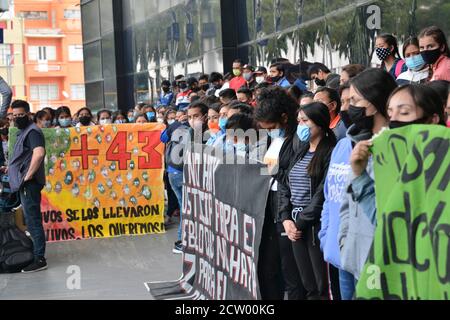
x=16, y=249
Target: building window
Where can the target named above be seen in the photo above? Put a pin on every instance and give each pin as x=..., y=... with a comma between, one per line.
x=77, y=91
x=5, y=54
x=46, y=53
x=76, y=53
x=44, y=92
x=34, y=15
x=72, y=14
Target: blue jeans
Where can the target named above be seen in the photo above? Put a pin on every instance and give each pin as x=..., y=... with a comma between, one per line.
x=176, y=181
x=347, y=284
x=30, y=198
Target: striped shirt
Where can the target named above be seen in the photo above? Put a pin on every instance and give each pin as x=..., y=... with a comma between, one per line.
x=300, y=182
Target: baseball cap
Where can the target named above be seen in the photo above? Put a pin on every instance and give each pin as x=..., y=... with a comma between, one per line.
x=261, y=70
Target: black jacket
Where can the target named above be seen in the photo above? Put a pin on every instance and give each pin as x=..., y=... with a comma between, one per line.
x=293, y=151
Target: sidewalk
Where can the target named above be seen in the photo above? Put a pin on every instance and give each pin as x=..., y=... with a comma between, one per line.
x=113, y=268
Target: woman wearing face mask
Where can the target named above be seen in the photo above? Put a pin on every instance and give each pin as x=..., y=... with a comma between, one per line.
x=213, y=123
x=435, y=52
x=131, y=116
x=417, y=68
x=63, y=117
x=104, y=117
x=42, y=119
x=85, y=118
x=240, y=146
x=120, y=118
x=150, y=112
x=219, y=140
x=301, y=196
x=276, y=112
x=369, y=92
x=387, y=51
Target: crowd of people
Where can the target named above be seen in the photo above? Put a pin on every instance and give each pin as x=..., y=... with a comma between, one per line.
x=317, y=234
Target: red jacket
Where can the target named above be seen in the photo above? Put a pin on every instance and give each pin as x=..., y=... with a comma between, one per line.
x=237, y=82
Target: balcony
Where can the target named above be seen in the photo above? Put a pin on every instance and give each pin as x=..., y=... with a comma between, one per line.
x=44, y=33
x=49, y=69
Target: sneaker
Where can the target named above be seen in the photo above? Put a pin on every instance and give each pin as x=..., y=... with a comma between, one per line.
x=36, y=265
x=178, y=248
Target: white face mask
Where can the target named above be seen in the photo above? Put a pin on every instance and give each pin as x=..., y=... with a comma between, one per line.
x=259, y=79
x=105, y=121
x=160, y=120
x=171, y=121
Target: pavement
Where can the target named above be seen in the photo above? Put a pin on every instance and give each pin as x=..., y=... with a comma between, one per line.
x=108, y=269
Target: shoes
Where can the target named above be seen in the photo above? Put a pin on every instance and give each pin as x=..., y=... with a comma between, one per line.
x=176, y=213
x=178, y=248
x=37, y=265
x=168, y=221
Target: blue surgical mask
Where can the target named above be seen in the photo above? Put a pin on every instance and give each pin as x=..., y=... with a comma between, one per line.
x=223, y=123
x=304, y=133
x=415, y=63
x=64, y=123
x=151, y=115
x=131, y=119
x=277, y=133
x=47, y=124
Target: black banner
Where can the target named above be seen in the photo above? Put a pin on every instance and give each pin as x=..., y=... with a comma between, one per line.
x=223, y=216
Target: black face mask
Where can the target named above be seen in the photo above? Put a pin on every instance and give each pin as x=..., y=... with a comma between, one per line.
x=431, y=56
x=320, y=83
x=205, y=87
x=275, y=79
x=4, y=131
x=346, y=119
x=22, y=122
x=85, y=121
x=165, y=89
x=183, y=85
x=217, y=86
x=358, y=116
x=401, y=124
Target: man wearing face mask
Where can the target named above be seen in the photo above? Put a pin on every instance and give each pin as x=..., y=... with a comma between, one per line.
x=182, y=101
x=166, y=95
x=27, y=176
x=277, y=75
x=322, y=76
x=260, y=75
x=238, y=80
x=203, y=84
x=216, y=83
x=249, y=77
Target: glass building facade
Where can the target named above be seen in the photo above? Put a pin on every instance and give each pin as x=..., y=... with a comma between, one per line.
x=130, y=46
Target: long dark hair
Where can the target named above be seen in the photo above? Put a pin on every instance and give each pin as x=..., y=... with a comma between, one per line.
x=318, y=113
x=438, y=35
x=391, y=41
x=272, y=104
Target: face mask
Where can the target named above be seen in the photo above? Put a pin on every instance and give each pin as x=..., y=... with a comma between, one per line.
x=320, y=82
x=183, y=86
x=237, y=72
x=304, y=133
x=205, y=87
x=160, y=120
x=105, y=121
x=223, y=123
x=64, y=123
x=165, y=89
x=217, y=86
x=119, y=121
x=213, y=127
x=4, y=131
x=259, y=80
x=359, y=118
x=277, y=133
x=22, y=122
x=85, y=121
x=401, y=124
x=346, y=119
x=415, y=63
x=248, y=76
x=382, y=53
x=196, y=124
x=171, y=121
x=150, y=115
x=46, y=124
x=275, y=79
x=431, y=56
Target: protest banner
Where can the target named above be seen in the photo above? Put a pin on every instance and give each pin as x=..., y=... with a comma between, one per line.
x=102, y=181
x=223, y=216
x=410, y=257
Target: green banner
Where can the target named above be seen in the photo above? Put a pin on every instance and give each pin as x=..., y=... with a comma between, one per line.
x=410, y=257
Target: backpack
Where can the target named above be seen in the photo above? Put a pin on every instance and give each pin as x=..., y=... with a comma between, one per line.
x=399, y=67
x=175, y=148
x=16, y=249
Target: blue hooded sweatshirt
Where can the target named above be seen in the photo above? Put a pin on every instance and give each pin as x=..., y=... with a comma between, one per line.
x=334, y=190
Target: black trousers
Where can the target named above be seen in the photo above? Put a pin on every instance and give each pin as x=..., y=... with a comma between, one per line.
x=269, y=262
x=292, y=282
x=172, y=201
x=311, y=266
x=333, y=275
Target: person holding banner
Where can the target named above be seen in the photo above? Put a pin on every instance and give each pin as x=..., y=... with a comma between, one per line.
x=276, y=112
x=85, y=117
x=408, y=105
x=369, y=93
x=301, y=196
x=27, y=176
x=63, y=117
